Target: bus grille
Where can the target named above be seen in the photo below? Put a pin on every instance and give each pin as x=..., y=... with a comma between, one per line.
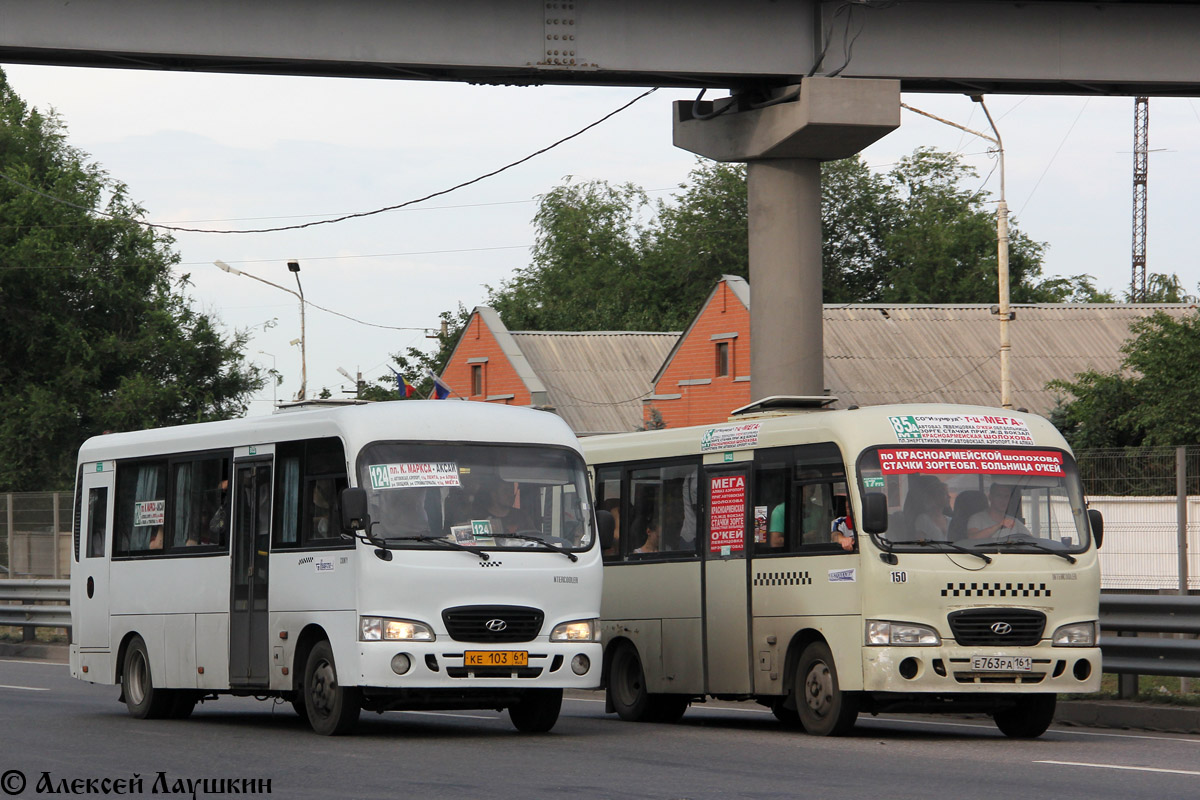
x=987, y=626
x=483, y=623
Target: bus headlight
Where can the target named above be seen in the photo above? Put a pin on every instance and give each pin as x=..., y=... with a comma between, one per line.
x=379, y=629
x=581, y=630
x=882, y=633
x=1078, y=634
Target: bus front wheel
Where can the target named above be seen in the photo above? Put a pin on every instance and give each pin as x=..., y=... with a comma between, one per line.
x=1028, y=718
x=142, y=699
x=627, y=688
x=332, y=708
x=536, y=711
x=824, y=709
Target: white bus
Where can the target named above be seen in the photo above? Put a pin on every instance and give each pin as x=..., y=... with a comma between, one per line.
x=404, y=555
x=965, y=577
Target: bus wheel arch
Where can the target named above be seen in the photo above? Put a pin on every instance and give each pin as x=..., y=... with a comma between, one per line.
x=821, y=705
x=626, y=688
x=143, y=699
x=332, y=709
x=309, y=636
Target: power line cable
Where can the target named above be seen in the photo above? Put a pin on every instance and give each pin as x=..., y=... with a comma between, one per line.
x=344, y=217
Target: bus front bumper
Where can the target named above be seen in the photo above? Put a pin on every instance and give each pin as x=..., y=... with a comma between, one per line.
x=972, y=669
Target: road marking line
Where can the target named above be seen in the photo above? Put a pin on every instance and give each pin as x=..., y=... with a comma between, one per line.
x=1119, y=766
x=448, y=714
x=24, y=688
x=26, y=661
x=909, y=721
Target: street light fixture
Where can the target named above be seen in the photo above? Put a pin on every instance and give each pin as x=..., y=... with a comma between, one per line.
x=293, y=266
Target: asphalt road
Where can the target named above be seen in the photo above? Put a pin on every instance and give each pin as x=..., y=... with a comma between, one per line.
x=50, y=723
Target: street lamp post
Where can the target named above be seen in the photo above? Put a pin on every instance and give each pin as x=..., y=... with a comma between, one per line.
x=293, y=266
x=1002, y=268
x=1002, y=279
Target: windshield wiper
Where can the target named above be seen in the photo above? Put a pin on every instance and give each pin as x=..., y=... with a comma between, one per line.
x=931, y=543
x=544, y=544
x=1036, y=546
x=439, y=540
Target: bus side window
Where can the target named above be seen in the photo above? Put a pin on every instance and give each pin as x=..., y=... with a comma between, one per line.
x=141, y=507
x=608, y=499
x=663, y=519
x=97, y=521
x=308, y=488
x=199, y=503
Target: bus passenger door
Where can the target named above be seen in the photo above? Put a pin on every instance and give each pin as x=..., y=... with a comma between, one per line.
x=726, y=598
x=249, y=647
x=95, y=535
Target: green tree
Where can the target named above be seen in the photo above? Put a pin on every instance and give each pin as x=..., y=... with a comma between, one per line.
x=415, y=364
x=1154, y=399
x=921, y=233
x=94, y=334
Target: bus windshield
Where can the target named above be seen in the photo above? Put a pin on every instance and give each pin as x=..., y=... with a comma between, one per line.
x=489, y=496
x=986, y=499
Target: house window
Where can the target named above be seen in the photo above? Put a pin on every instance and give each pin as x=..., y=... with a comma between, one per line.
x=722, y=359
x=476, y=379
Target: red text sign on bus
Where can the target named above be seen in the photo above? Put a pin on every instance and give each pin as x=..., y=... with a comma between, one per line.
x=727, y=515
x=899, y=461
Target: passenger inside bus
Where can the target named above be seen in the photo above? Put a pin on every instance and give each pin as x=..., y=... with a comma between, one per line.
x=924, y=508
x=650, y=544
x=966, y=506
x=606, y=525
x=495, y=503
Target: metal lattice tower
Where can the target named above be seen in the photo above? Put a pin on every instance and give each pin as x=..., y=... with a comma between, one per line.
x=1141, y=166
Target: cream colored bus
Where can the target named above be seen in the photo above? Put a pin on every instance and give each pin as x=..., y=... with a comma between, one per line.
x=826, y=563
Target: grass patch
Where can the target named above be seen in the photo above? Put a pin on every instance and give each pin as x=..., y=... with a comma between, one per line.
x=15, y=635
x=1159, y=689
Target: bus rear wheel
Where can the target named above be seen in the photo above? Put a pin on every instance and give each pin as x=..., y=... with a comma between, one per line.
x=536, y=711
x=823, y=708
x=1028, y=718
x=142, y=699
x=627, y=689
x=332, y=708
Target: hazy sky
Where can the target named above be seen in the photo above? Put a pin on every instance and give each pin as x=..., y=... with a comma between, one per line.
x=233, y=151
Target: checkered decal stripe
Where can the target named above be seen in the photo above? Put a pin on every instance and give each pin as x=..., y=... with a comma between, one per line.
x=995, y=590
x=783, y=579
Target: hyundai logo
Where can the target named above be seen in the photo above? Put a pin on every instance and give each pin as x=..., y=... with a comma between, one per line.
x=998, y=628
x=497, y=625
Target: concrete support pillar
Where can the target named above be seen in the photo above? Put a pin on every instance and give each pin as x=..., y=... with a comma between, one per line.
x=786, y=331
x=784, y=143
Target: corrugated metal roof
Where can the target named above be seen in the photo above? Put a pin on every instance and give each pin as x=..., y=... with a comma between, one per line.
x=596, y=381
x=950, y=354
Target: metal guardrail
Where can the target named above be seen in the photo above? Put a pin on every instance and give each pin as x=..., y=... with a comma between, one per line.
x=1119, y=614
x=1150, y=655
x=45, y=604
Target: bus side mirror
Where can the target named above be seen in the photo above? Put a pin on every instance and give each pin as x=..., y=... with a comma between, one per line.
x=354, y=509
x=1096, y=520
x=875, y=513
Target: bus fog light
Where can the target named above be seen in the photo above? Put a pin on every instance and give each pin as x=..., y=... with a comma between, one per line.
x=909, y=668
x=401, y=663
x=1082, y=669
x=881, y=633
x=1079, y=634
x=580, y=664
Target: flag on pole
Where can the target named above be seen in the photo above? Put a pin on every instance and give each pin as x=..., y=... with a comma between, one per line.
x=405, y=388
x=441, y=390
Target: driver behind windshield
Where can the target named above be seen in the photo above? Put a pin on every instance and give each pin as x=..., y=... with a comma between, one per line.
x=996, y=517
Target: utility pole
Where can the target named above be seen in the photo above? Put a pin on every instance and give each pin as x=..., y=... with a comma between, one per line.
x=1141, y=169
